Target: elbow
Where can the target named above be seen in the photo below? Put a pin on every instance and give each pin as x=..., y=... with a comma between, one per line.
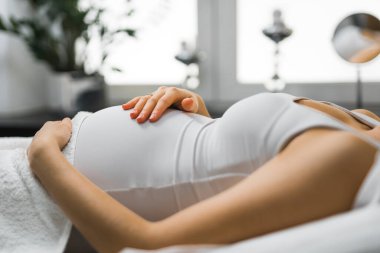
x=151, y=238
x=145, y=237
x=155, y=238
x=158, y=236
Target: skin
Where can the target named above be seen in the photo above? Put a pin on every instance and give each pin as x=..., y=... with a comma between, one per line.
x=296, y=186
x=372, y=51
x=153, y=106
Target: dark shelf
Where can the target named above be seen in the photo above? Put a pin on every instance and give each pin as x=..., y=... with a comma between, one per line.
x=27, y=125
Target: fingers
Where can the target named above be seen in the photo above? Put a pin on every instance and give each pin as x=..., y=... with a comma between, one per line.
x=147, y=111
x=153, y=106
x=131, y=103
x=162, y=105
x=189, y=104
x=53, y=133
x=67, y=121
x=139, y=106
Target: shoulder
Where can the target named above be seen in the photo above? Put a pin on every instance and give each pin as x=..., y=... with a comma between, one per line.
x=334, y=146
x=334, y=137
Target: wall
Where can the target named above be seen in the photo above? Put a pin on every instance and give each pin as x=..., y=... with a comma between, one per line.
x=22, y=79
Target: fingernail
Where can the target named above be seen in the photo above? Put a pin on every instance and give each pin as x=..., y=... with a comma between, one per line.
x=124, y=106
x=153, y=116
x=133, y=115
x=140, y=120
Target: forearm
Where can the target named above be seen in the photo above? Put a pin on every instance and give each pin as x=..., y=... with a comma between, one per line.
x=105, y=223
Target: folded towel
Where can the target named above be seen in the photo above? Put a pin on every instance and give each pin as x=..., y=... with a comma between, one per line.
x=30, y=221
x=7, y=143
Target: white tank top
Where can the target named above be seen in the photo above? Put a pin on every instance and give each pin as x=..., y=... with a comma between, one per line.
x=157, y=169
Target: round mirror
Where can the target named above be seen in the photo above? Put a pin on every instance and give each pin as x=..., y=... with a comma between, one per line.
x=357, y=38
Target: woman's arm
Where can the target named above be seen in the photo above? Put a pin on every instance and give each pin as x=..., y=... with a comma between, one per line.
x=297, y=186
x=106, y=224
x=154, y=105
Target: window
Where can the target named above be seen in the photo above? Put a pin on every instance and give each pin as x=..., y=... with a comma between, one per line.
x=237, y=57
x=307, y=56
x=149, y=59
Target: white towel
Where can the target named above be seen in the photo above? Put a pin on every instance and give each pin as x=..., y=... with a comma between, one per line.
x=30, y=221
x=7, y=143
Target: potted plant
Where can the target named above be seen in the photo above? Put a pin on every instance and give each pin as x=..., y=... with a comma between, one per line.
x=64, y=34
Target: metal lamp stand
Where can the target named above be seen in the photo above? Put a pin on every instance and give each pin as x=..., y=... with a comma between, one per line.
x=359, y=88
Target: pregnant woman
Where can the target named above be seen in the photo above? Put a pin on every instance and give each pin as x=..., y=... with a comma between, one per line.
x=270, y=162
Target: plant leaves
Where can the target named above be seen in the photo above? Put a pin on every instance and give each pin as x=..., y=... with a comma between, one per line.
x=130, y=32
x=103, y=30
x=2, y=25
x=116, y=69
x=14, y=23
x=130, y=13
x=61, y=54
x=105, y=56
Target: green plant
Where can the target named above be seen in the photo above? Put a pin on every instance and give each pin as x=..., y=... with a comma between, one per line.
x=60, y=32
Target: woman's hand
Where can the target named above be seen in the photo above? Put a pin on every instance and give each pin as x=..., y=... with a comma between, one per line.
x=154, y=105
x=54, y=135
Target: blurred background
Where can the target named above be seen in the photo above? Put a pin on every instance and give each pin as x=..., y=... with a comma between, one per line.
x=59, y=57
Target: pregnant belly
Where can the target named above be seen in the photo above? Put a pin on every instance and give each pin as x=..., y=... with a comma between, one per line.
x=115, y=152
x=147, y=167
